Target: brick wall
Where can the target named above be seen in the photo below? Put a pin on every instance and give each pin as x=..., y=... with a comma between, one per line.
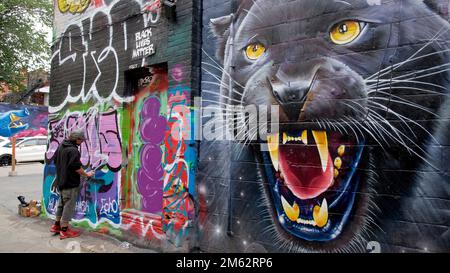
x=121, y=71
x=360, y=160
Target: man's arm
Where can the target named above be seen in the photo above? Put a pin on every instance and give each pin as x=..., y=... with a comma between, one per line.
x=81, y=172
x=55, y=155
x=76, y=164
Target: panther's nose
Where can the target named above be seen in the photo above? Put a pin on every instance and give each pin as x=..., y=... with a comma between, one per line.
x=291, y=97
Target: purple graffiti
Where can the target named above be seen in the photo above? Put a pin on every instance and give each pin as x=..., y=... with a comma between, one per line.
x=102, y=146
x=149, y=177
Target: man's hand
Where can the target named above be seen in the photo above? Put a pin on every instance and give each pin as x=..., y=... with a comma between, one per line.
x=86, y=174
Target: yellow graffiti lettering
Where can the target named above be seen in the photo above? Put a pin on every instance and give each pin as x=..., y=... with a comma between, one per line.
x=73, y=6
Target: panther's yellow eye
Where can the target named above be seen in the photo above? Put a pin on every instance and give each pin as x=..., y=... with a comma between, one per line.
x=254, y=51
x=345, y=32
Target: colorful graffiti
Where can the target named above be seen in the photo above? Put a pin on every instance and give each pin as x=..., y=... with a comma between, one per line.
x=143, y=225
x=102, y=146
x=160, y=120
x=147, y=123
x=150, y=174
x=10, y=122
x=101, y=82
x=101, y=152
x=178, y=161
x=90, y=53
x=363, y=94
x=23, y=121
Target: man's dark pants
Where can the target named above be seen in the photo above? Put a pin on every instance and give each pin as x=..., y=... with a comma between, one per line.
x=67, y=203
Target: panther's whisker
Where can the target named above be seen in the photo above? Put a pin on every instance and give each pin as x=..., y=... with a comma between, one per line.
x=377, y=119
x=217, y=84
x=219, y=68
x=320, y=123
x=377, y=128
x=256, y=5
x=234, y=81
x=365, y=114
x=329, y=125
x=219, y=110
x=224, y=116
x=413, y=105
x=223, y=70
x=403, y=118
x=234, y=90
x=218, y=91
x=395, y=96
x=366, y=117
x=400, y=99
x=411, y=58
x=251, y=13
x=403, y=88
x=422, y=71
x=335, y=126
x=392, y=82
x=341, y=126
x=388, y=69
x=247, y=141
x=367, y=130
x=375, y=116
x=212, y=74
x=354, y=132
x=227, y=126
x=215, y=105
x=352, y=122
x=218, y=102
x=219, y=95
x=412, y=150
x=213, y=60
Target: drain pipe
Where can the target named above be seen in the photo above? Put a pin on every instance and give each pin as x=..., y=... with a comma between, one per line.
x=230, y=84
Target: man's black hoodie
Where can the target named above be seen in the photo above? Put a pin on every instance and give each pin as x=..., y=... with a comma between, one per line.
x=67, y=162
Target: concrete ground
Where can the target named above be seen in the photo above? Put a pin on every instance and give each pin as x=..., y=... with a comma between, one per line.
x=24, y=234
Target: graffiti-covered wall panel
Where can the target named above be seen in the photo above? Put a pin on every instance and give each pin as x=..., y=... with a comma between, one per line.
x=121, y=72
x=23, y=120
x=356, y=157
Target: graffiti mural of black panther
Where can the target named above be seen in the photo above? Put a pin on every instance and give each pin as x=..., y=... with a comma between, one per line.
x=361, y=155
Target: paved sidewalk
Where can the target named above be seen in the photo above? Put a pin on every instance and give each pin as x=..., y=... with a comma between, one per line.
x=25, y=234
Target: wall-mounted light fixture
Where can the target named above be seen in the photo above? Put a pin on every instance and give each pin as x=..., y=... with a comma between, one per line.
x=170, y=9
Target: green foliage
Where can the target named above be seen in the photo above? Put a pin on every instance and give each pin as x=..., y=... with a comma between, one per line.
x=23, y=44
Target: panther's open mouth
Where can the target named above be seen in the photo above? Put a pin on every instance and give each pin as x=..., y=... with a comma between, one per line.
x=313, y=180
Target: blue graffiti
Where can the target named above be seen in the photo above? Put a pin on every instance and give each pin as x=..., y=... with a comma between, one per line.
x=11, y=124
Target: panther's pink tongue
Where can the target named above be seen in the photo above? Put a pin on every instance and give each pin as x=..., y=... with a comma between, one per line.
x=304, y=173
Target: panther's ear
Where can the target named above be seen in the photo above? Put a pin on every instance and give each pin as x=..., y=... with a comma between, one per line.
x=220, y=27
x=438, y=6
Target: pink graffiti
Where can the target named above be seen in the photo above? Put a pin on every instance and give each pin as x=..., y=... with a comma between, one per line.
x=177, y=72
x=97, y=3
x=39, y=119
x=31, y=133
x=152, y=6
x=102, y=145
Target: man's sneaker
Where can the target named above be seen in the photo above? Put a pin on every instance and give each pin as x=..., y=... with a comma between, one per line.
x=55, y=229
x=69, y=233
